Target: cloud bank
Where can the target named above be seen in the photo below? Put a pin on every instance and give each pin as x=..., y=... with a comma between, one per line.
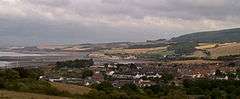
x=81, y=21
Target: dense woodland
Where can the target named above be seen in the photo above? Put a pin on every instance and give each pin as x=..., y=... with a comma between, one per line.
x=147, y=45
x=183, y=48
x=75, y=63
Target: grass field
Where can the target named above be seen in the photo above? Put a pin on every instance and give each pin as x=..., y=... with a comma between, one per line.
x=132, y=51
x=22, y=95
x=198, y=54
x=225, y=50
x=217, y=50
x=156, y=54
x=206, y=46
x=73, y=89
x=193, y=62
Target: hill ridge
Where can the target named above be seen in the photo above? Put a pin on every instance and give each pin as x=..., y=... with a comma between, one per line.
x=226, y=35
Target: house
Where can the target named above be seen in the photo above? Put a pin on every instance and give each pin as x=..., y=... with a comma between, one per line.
x=60, y=79
x=145, y=83
x=222, y=78
x=110, y=73
x=138, y=76
x=98, y=77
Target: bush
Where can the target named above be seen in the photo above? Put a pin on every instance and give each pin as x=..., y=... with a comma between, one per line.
x=29, y=73
x=87, y=73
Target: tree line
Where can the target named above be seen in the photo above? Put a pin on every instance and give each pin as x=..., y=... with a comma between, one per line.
x=75, y=63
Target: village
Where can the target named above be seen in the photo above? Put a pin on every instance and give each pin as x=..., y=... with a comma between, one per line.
x=146, y=73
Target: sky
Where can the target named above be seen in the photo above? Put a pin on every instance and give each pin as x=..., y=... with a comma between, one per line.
x=34, y=22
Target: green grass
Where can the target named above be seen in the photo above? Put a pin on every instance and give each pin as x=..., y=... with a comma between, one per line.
x=226, y=50
x=72, y=89
x=23, y=95
x=156, y=54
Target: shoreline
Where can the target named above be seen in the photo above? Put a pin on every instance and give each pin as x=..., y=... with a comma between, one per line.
x=45, y=58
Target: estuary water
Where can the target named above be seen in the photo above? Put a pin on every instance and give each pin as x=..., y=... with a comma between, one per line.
x=13, y=54
x=43, y=56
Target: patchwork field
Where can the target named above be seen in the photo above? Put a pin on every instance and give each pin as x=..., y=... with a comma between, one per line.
x=198, y=54
x=225, y=50
x=216, y=50
x=132, y=51
x=156, y=54
x=193, y=62
x=203, y=46
x=119, y=53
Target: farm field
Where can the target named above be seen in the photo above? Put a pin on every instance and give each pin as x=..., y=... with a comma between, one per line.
x=139, y=52
x=132, y=51
x=217, y=50
x=198, y=53
x=156, y=54
x=203, y=46
x=193, y=62
x=225, y=50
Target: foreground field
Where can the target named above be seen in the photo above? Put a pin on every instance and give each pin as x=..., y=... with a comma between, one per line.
x=22, y=95
x=73, y=89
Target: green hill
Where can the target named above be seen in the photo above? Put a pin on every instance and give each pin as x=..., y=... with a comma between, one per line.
x=221, y=36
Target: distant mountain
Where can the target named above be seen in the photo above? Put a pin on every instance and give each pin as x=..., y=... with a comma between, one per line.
x=228, y=35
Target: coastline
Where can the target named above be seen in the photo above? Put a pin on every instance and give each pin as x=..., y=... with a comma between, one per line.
x=31, y=59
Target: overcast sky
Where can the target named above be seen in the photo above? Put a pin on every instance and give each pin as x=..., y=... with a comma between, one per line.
x=81, y=21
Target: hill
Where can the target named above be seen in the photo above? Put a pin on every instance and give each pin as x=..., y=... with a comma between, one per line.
x=221, y=36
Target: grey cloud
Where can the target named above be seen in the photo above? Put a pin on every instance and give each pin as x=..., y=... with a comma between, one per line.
x=185, y=9
x=56, y=3
x=190, y=9
x=29, y=32
x=118, y=20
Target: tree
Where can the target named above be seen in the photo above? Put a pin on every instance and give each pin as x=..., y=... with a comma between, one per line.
x=130, y=87
x=9, y=74
x=216, y=94
x=33, y=73
x=87, y=73
x=104, y=86
x=167, y=77
x=176, y=94
x=195, y=91
x=75, y=63
x=218, y=73
x=183, y=48
x=157, y=90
